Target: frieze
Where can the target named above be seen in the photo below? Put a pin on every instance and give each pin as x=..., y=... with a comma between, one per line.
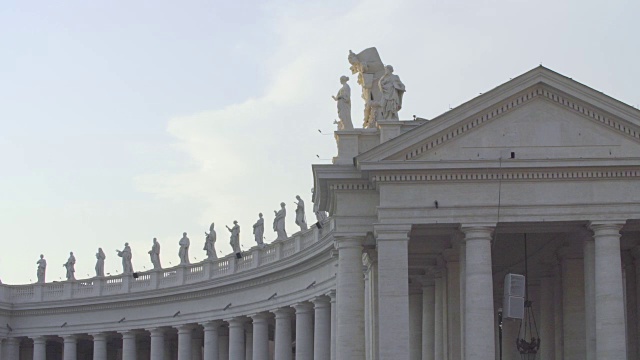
x=509, y=176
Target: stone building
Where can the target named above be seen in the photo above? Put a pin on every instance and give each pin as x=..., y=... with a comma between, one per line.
x=426, y=219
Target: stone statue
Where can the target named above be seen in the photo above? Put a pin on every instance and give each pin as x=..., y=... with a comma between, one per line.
x=100, y=257
x=70, y=265
x=343, y=99
x=258, y=230
x=278, y=223
x=42, y=269
x=210, y=243
x=300, y=218
x=321, y=216
x=125, y=254
x=183, y=253
x=154, y=254
x=392, y=90
x=369, y=67
x=235, y=238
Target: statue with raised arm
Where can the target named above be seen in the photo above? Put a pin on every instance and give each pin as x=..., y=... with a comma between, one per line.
x=100, y=257
x=234, y=240
x=125, y=254
x=70, y=265
x=210, y=243
x=300, y=217
x=42, y=269
x=392, y=90
x=278, y=223
x=154, y=254
x=183, y=253
x=369, y=67
x=258, y=230
x=343, y=100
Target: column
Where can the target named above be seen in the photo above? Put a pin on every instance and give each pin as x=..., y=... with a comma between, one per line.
x=547, y=325
x=260, y=336
x=129, y=345
x=196, y=345
x=157, y=344
x=479, y=310
x=69, y=349
x=393, y=293
x=439, y=318
x=350, y=300
x=573, y=305
x=184, y=342
x=236, y=339
x=39, y=348
x=428, y=319
x=304, y=331
x=415, y=326
x=283, y=333
x=322, y=329
x=248, y=341
x=462, y=256
x=211, y=339
x=100, y=346
x=610, y=332
x=590, y=296
x=334, y=323
x=453, y=303
x=223, y=344
x=12, y=348
x=631, y=305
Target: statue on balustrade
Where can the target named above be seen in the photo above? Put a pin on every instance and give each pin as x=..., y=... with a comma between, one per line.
x=100, y=256
x=125, y=254
x=343, y=100
x=210, y=243
x=235, y=239
x=70, y=265
x=300, y=217
x=369, y=67
x=392, y=90
x=42, y=269
x=183, y=253
x=258, y=230
x=278, y=223
x=154, y=254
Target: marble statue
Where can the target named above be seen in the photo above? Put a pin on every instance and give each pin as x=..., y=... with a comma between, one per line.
x=343, y=99
x=125, y=254
x=183, y=253
x=369, y=67
x=300, y=218
x=42, y=269
x=70, y=265
x=210, y=243
x=258, y=230
x=278, y=223
x=392, y=90
x=154, y=254
x=321, y=216
x=235, y=238
x=100, y=257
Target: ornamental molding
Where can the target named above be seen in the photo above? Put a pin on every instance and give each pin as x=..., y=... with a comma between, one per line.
x=567, y=102
x=352, y=186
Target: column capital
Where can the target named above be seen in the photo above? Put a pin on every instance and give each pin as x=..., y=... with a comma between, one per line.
x=184, y=328
x=211, y=325
x=303, y=307
x=392, y=232
x=281, y=313
x=237, y=321
x=604, y=228
x=344, y=241
x=322, y=301
x=39, y=339
x=482, y=231
x=153, y=332
x=127, y=334
x=69, y=337
x=332, y=295
x=98, y=336
x=260, y=317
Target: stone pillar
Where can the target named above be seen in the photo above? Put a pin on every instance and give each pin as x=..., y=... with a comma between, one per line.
x=211, y=339
x=283, y=333
x=248, y=341
x=479, y=312
x=428, y=320
x=69, y=347
x=547, y=324
x=439, y=318
x=39, y=348
x=184, y=342
x=129, y=345
x=610, y=331
x=573, y=305
x=237, y=349
x=12, y=348
x=589, y=252
x=350, y=300
x=157, y=344
x=322, y=329
x=334, y=323
x=100, y=347
x=453, y=303
x=415, y=326
x=393, y=293
x=462, y=255
x=304, y=331
x=260, y=336
x=196, y=346
x=631, y=305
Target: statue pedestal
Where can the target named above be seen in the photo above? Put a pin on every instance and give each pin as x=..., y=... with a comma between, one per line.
x=389, y=129
x=352, y=143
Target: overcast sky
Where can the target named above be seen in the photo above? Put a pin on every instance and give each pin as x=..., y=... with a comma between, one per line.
x=121, y=121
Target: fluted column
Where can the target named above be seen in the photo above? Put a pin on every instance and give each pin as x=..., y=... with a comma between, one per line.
x=479, y=313
x=428, y=321
x=610, y=331
x=334, y=322
x=211, y=339
x=589, y=252
x=547, y=330
x=237, y=349
x=350, y=299
x=69, y=349
x=304, y=331
x=12, y=348
x=39, y=348
x=129, y=351
x=100, y=346
x=283, y=333
x=184, y=342
x=260, y=336
x=322, y=329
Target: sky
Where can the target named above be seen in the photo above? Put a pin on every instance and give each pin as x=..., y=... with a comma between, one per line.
x=121, y=121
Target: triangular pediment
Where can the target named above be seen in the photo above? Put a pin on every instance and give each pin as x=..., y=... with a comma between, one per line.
x=539, y=115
